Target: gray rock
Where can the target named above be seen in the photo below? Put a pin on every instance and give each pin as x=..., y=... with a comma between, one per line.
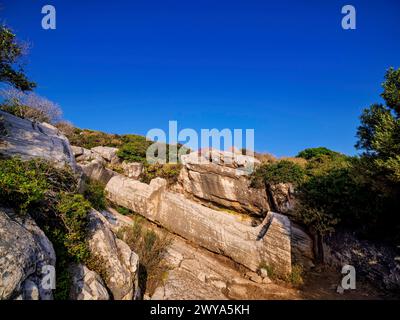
x=27, y=139
x=218, y=231
x=86, y=284
x=107, y=153
x=132, y=170
x=282, y=197
x=24, y=252
x=225, y=183
x=95, y=170
x=121, y=264
x=30, y=290
x=302, y=247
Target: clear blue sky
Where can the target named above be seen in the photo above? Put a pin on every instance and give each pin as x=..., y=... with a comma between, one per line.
x=285, y=68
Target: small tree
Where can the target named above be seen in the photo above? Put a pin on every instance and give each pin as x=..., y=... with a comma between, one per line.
x=11, y=70
x=379, y=132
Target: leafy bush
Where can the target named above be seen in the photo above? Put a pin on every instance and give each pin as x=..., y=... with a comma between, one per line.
x=283, y=171
x=124, y=211
x=73, y=210
x=63, y=278
x=89, y=138
x=168, y=171
x=134, y=148
x=95, y=194
x=25, y=184
x=311, y=153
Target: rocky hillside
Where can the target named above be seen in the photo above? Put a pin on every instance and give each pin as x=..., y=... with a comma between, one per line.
x=203, y=232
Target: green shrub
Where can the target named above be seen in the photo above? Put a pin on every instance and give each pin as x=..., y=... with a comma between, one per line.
x=73, y=210
x=63, y=277
x=26, y=184
x=311, y=153
x=283, y=171
x=134, y=148
x=95, y=194
x=89, y=138
x=123, y=211
x=168, y=171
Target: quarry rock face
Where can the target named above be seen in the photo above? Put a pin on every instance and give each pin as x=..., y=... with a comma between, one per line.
x=24, y=252
x=86, y=284
x=218, y=231
x=28, y=139
x=222, y=178
x=120, y=263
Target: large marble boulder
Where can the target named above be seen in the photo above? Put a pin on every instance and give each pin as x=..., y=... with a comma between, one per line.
x=221, y=232
x=26, y=256
x=28, y=139
x=120, y=263
x=222, y=178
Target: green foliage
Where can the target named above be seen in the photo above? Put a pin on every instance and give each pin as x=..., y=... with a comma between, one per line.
x=391, y=90
x=332, y=193
x=134, y=148
x=311, y=153
x=10, y=54
x=379, y=165
x=63, y=278
x=95, y=194
x=168, y=171
x=282, y=171
x=48, y=194
x=361, y=193
x=123, y=211
x=73, y=209
x=26, y=184
x=89, y=139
